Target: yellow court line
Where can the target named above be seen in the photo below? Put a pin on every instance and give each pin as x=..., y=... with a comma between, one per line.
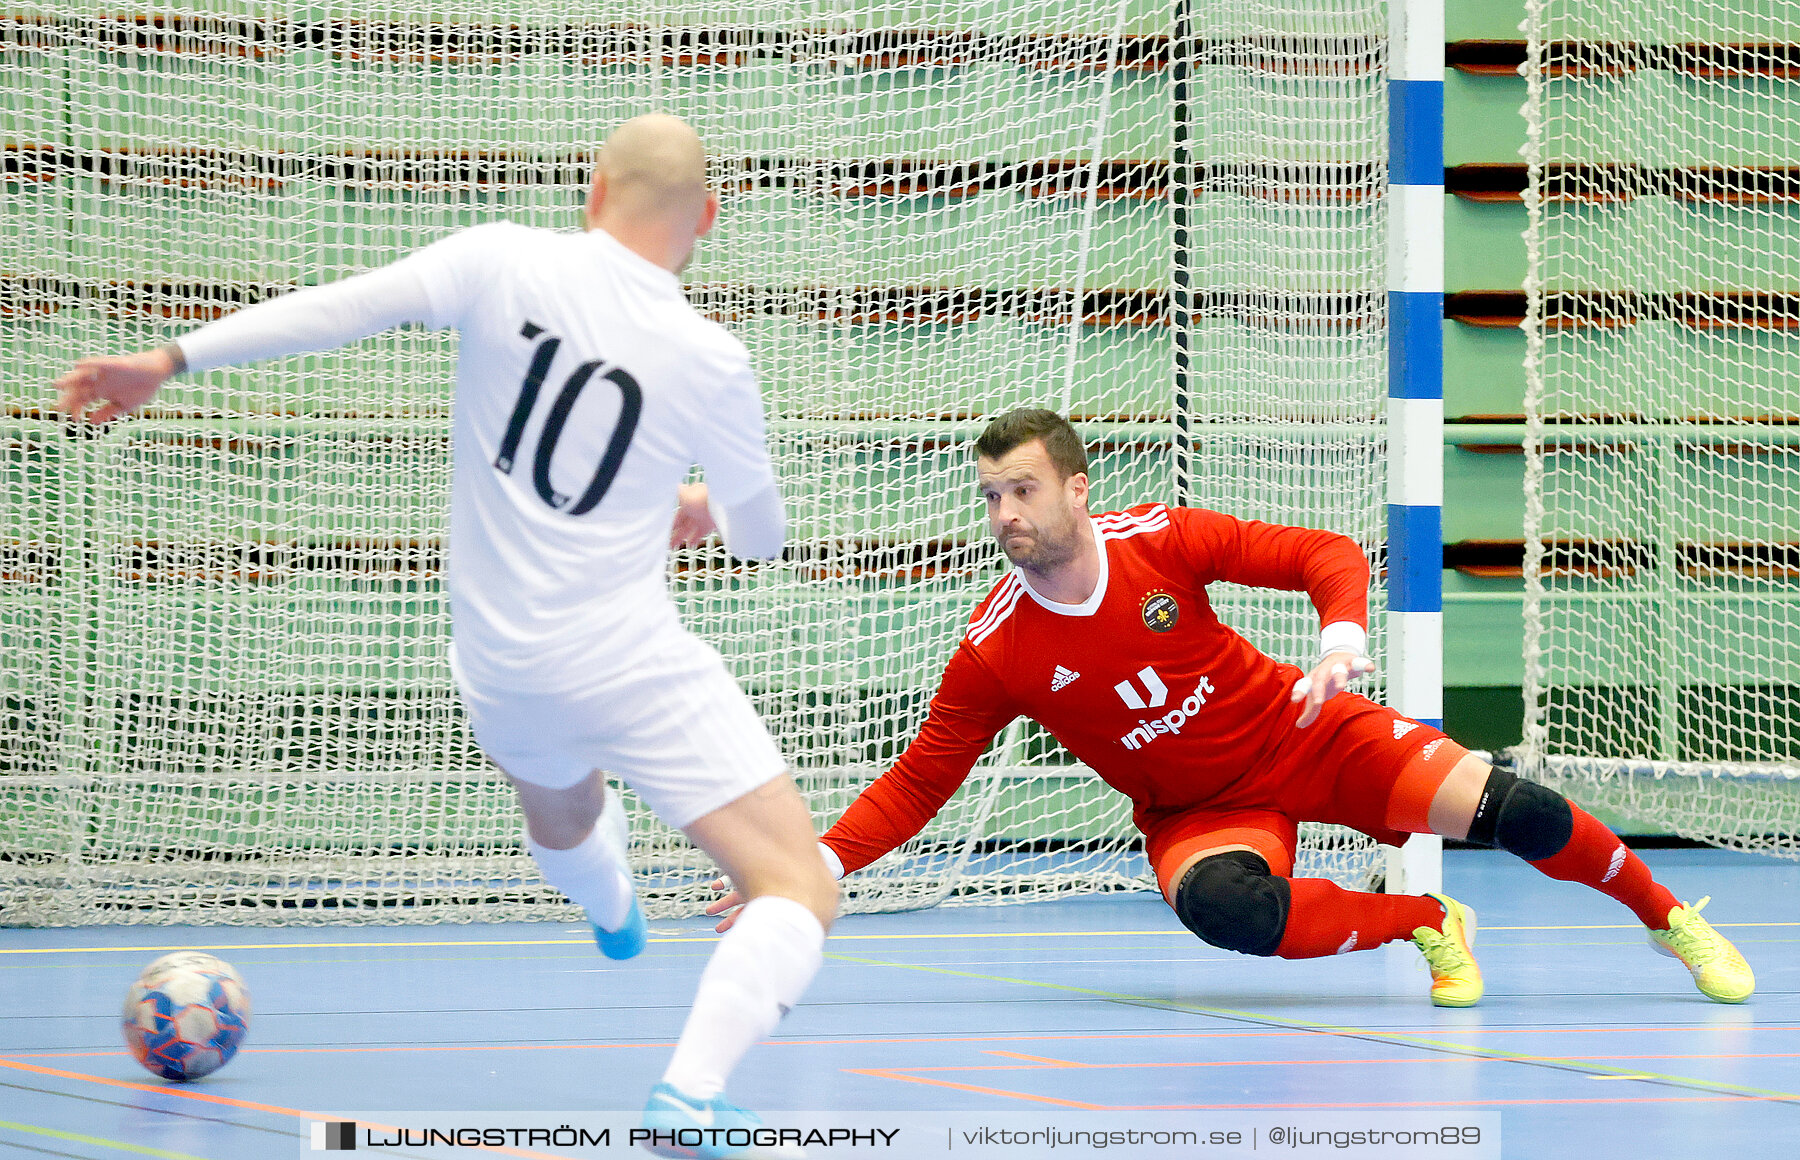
x=1632, y=926
x=570, y=942
x=1402, y=1038
x=669, y=940
x=547, y=942
x=100, y=1141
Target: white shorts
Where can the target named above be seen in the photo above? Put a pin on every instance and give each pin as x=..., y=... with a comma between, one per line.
x=673, y=725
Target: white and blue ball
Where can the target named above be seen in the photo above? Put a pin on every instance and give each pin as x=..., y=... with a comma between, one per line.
x=186, y=1015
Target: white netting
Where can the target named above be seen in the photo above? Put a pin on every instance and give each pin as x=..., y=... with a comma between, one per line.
x=1663, y=469
x=225, y=696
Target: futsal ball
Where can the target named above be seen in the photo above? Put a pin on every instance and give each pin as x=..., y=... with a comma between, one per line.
x=186, y=1015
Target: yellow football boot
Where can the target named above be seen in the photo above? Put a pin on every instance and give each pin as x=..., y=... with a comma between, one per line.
x=1455, y=975
x=1718, y=969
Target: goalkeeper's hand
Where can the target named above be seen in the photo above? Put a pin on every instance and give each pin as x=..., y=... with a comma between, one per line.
x=731, y=902
x=727, y=906
x=1328, y=678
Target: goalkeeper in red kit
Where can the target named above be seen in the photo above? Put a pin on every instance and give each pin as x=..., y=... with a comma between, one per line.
x=1103, y=633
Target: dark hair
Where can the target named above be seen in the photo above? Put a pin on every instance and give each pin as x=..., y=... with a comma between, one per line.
x=1017, y=428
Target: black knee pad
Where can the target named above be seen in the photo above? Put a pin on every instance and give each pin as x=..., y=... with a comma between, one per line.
x=1232, y=902
x=1521, y=817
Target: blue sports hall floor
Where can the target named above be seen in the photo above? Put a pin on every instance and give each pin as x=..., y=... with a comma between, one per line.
x=1090, y=1011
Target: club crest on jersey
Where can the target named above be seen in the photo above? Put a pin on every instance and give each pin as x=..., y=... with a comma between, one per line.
x=1160, y=612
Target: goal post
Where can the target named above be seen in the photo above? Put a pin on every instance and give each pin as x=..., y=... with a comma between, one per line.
x=226, y=698
x=1415, y=281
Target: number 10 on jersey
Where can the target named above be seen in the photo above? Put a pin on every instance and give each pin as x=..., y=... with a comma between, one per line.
x=631, y=404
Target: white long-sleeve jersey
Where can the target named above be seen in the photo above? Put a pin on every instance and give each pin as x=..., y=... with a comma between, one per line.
x=587, y=386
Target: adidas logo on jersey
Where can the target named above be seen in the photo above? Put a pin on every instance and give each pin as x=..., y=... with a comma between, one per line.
x=1062, y=679
x=1427, y=753
x=1402, y=728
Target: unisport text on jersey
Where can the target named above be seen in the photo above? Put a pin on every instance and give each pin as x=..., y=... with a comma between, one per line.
x=1171, y=722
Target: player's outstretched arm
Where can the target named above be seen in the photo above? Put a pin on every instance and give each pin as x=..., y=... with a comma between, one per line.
x=968, y=711
x=101, y=389
x=1329, y=568
x=315, y=318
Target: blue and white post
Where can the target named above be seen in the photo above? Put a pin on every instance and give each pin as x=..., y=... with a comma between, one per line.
x=1415, y=618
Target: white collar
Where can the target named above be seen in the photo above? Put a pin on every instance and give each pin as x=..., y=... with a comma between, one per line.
x=632, y=258
x=1087, y=607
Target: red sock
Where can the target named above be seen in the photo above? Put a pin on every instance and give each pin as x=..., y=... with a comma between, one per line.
x=1595, y=857
x=1325, y=919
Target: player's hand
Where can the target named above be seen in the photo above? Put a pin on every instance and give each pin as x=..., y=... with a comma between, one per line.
x=99, y=390
x=693, y=522
x=728, y=905
x=1327, y=680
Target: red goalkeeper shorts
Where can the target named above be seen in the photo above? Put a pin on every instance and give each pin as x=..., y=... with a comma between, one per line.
x=1360, y=765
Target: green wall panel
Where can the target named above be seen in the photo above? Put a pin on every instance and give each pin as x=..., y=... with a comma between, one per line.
x=1484, y=245
x=1484, y=495
x=1669, y=370
x=1699, y=121
x=1481, y=118
x=1484, y=371
x=1661, y=244
x=970, y=15
x=1483, y=19
x=1484, y=631
x=197, y=484
x=1704, y=494
x=32, y=113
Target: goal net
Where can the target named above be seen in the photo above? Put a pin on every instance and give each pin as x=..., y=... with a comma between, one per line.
x=225, y=697
x=1663, y=464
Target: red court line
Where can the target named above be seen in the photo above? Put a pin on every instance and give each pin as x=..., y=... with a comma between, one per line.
x=444, y=1048
x=1671, y=1027
x=248, y=1105
x=882, y=1073
x=1036, y=1061
x=1053, y=1065
x=884, y=1042
x=1447, y=1104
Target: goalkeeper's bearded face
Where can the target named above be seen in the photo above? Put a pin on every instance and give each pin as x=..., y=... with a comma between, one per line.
x=1034, y=512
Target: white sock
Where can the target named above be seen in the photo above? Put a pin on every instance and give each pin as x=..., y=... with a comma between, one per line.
x=592, y=875
x=759, y=971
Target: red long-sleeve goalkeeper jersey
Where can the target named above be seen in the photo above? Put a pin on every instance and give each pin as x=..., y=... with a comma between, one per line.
x=1141, y=681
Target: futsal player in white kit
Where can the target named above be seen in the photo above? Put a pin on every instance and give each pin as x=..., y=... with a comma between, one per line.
x=587, y=387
